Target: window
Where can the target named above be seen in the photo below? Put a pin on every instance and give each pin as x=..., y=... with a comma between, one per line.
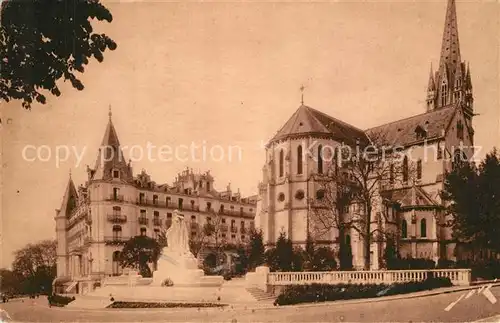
x=423, y=228
x=299, y=160
x=243, y=224
x=117, y=232
x=444, y=94
x=281, y=197
x=201, y=184
x=116, y=210
x=155, y=199
x=242, y=237
x=233, y=224
x=299, y=195
x=405, y=169
x=167, y=200
x=209, y=206
x=391, y=173
x=282, y=160
x=320, y=194
x=208, y=186
x=180, y=204
x=439, y=152
x=320, y=159
x=116, y=192
x=193, y=218
x=156, y=214
x=241, y=210
x=223, y=235
x=156, y=233
x=141, y=198
x=460, y=130
x=192, y=204
x=143, y=231
x=419, y=169
x=143, y=213
x=221, y=209
x=233, y=236
x=116, y=174
x=223, y=220
x=209, y=219
x=404, y=229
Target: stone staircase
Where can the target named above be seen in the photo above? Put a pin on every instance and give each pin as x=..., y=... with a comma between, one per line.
x=89, y=302
x=260, y=295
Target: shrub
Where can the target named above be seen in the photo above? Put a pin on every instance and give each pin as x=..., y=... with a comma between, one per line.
x=322, y=293
x=59, y=300
x=162, y=305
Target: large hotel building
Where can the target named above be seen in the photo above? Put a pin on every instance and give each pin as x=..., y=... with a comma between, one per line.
x=97, y=218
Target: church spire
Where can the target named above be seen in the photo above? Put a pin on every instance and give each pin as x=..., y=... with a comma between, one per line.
x=449, y=81
x=450, y=47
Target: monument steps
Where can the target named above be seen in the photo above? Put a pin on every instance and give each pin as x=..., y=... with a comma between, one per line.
x=260, y=295
x=89, y=302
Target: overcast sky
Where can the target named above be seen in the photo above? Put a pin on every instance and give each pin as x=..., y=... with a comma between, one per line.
x=228, y=74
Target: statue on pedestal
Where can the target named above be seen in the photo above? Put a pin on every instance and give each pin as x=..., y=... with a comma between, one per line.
x=178, y=235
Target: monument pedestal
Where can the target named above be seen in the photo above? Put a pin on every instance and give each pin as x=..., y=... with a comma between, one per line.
x=182, y=270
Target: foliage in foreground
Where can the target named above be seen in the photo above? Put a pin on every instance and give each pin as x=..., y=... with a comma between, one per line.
x=323, y=293
x=45, y=41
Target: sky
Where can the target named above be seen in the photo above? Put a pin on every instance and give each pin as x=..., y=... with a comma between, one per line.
x=223, y=75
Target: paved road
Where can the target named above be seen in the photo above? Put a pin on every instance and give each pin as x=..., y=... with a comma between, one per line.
x=424, y=309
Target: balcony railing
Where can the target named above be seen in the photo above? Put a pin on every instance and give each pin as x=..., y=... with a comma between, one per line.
x=143, y=220
x=157, y=222
x=116, y=239
x=117, y=218
x=113, y=197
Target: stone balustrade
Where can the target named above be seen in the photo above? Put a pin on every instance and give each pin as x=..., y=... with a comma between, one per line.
x=461, y=277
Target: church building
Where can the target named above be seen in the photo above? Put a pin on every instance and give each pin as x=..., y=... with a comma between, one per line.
x=295, y=162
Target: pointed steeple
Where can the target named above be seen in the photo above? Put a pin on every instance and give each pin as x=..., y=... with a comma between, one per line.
x=450, y=48
x=70, y=199
x=110, y=157
x=431, y=86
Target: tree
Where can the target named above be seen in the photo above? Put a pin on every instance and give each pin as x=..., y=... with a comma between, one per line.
x=35, y=265
x=472, y=204
x=284, y=257
x=345, y=255
x=138, y=252
x=391, y=255
x=351, y=190
x=324, y=260
x=10, y=282
x=256, y=250
x=44, y=41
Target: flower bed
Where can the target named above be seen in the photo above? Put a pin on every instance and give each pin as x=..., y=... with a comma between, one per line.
x=59, y=300
x=162, y=305
x=323, y=293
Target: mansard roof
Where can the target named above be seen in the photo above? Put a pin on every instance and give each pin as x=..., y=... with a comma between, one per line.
x=307, y=121
x=402, y=132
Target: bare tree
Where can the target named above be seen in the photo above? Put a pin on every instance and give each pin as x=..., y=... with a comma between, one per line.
x=352, y=186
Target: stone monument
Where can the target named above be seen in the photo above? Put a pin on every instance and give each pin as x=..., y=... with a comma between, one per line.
x=177, y=263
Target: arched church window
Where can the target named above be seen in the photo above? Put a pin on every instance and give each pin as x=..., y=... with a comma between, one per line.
x=281, y=197
x=423, y=228
x=320, y=159
x=444, y=94
x=419, y=169
x=404, y=229
x=282, y=160
x=299, y=160
x=460, y=130
x=405, y=169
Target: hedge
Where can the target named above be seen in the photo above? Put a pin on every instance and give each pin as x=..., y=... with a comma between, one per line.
x=59, y=300
x=322, y=293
